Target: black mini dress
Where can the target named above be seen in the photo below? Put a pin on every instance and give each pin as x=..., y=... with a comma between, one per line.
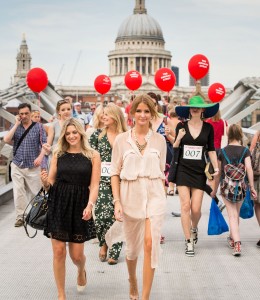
x=192, y=162
x=68, y=198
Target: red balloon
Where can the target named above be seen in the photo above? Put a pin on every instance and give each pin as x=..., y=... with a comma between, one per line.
x=165, y=79
x=133, y=80
x=216, y=92
x=198, y=66
x=102, y=84
x=37, y=79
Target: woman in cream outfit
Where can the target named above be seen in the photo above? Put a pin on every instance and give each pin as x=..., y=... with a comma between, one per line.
x=137, y=177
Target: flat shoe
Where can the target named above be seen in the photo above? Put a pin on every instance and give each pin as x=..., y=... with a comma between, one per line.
x=112, y=261
x=81, y=288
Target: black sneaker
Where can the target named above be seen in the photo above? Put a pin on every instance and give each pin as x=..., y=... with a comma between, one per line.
x=258, y=244
x=189, y=251
x=174, y=214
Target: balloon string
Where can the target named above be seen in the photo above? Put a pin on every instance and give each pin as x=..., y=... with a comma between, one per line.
x=39, y=100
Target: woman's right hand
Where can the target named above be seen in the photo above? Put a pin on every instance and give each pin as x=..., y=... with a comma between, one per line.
x=118, y=211
x=181, y=134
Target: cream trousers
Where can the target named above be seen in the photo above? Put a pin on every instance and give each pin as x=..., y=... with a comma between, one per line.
x=26, y=184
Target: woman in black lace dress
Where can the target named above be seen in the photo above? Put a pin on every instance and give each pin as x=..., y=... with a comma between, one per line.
x=73, y=183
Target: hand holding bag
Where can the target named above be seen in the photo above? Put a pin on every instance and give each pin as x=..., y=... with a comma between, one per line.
x=174, y=165
x=247, y=208
x=37, y=216
x=217, y=223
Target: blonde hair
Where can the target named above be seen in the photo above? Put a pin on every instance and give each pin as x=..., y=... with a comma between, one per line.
x=116, y=114
x=35, y=112
x=63, y=146
x=96, y=117
x=147, y=100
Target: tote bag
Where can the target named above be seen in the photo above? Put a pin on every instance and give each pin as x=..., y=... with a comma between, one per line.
x=217, y=223
x=224, y=138
x=247, y=208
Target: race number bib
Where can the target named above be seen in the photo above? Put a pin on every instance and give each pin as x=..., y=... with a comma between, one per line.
x=192, y=152
x=105, y=168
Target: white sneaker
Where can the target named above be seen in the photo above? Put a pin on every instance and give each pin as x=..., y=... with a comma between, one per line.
x=189, y=251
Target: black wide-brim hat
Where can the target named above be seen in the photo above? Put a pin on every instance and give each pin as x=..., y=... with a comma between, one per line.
x=197, y=102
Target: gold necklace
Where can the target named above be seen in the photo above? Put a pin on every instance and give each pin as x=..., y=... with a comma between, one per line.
x=139, y=146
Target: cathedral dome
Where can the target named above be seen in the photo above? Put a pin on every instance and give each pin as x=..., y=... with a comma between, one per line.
x=140, y=26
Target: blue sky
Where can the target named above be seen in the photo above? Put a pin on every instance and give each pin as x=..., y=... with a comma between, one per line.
x=60, y=33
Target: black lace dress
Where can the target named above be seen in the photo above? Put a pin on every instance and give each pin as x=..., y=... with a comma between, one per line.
x=68, y=198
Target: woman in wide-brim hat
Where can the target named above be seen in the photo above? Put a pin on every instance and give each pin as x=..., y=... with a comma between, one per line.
x=193, y=137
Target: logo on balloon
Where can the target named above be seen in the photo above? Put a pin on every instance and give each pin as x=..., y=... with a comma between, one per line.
x=198, y=66
x=216, y=92
x=165, y=79
x=102, y=84
x=133, y=80
x=37, y=79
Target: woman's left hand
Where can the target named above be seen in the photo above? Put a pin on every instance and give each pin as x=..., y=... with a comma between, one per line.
x=87, y=213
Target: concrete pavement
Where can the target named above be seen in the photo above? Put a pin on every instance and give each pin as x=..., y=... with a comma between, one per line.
x=26, y=265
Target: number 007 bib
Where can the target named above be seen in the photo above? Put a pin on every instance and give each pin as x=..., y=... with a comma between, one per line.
x=192, y=152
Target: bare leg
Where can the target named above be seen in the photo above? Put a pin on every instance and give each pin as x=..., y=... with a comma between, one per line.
x=257, y=212
x=59, y=258
x=148, y=271
x=131, y=266
x=184, y=194
x=233, y=210
x=79, y=259
x=196, y=202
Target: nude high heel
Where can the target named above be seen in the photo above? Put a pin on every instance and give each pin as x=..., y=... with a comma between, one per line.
x=81, y=288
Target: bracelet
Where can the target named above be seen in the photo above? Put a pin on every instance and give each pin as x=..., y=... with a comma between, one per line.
x=115, y=200
x=90, y=202
x=216, y=170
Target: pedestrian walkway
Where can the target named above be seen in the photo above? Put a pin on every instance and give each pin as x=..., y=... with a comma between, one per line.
x=26, y=265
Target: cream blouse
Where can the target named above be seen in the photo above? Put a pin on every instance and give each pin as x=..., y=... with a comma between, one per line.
x=130, y=164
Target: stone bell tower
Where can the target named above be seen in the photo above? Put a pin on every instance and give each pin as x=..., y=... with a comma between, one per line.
x=23, y=59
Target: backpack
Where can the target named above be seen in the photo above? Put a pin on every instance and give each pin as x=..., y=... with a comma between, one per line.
x=233, y=186
x=256, y=159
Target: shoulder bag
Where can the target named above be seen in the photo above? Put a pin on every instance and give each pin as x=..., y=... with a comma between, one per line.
x=23, y=136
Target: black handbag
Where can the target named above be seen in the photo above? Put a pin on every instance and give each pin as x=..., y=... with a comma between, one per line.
x=37, y=215
x=174, y=164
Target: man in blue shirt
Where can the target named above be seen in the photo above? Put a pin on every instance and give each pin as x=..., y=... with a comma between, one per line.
x=27, y=159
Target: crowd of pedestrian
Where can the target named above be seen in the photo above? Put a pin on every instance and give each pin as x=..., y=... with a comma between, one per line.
x=109, y=169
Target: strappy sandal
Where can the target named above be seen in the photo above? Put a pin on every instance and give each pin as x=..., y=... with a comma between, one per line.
x=102, y=255
x=133, y=292
x=112, y=261
x=170, y=193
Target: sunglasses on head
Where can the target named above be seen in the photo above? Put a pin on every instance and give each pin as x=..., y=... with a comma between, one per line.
x=63, y=101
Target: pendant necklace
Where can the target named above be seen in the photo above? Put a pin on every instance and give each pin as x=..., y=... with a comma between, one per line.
x=139, y=146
